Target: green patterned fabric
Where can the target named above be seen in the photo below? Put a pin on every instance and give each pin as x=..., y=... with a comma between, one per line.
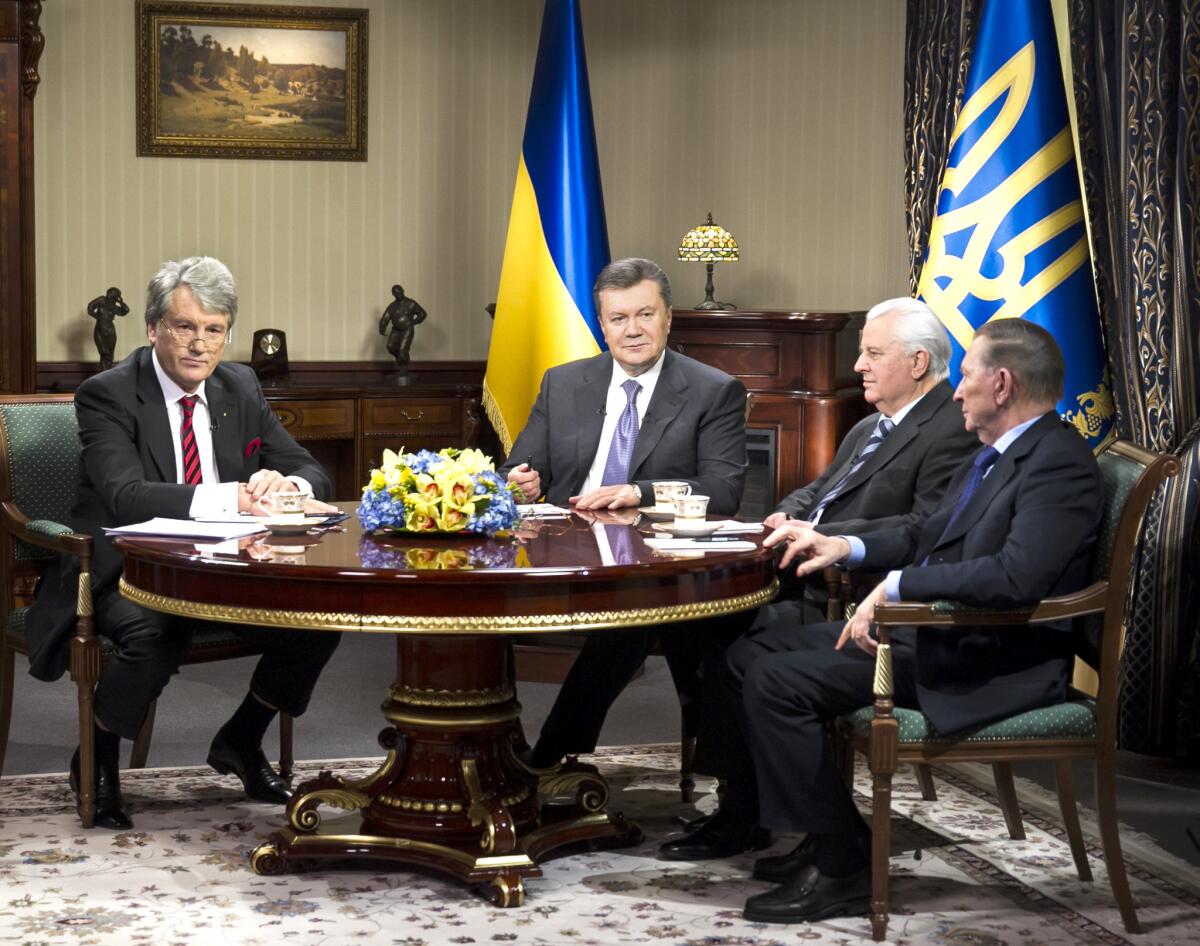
x=42, y=444
x=1072, y=720
x=16, y=627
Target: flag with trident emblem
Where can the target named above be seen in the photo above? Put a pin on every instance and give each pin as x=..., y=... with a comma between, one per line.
x=1008, y=240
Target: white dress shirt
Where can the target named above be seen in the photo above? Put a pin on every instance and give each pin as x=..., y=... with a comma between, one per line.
x=212, y=498
x=614, y=406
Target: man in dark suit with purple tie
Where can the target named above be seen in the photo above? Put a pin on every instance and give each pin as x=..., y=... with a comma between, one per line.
x=1018, y=523
x=172, y=431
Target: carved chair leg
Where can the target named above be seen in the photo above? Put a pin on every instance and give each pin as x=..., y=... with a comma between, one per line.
x=287, y=745
x=1070, y=815
x=1007, y=793
x=881, y=845
x=141, y=745
x=1110, y=838
x=6, y=698
x=925, y=780
x=87, y=753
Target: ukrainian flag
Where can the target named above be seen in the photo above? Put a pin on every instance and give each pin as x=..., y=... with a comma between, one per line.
x=1008, y=240
x=557, y=240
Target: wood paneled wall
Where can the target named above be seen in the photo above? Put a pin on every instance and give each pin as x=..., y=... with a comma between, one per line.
x=782, y=117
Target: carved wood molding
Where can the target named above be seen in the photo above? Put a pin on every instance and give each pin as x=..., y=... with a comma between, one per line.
x=31, y=43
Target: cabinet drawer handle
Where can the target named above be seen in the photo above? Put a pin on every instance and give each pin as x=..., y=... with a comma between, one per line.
x=408, y=417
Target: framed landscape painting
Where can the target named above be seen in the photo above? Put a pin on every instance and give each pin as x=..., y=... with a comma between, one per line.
x=231, y=80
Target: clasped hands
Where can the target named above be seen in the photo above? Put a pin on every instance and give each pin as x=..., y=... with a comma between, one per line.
x=816, y=552
x=529, y=482
x=263, y=483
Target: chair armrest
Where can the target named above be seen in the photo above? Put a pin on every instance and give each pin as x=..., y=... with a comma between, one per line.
x=43, y=533
x=1090, y=600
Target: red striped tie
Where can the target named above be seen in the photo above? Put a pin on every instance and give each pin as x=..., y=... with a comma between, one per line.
x=187, y=438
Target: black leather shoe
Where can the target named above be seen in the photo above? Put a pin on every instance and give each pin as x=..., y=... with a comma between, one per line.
x=261, y=782
x=781, y=867
x=720, y=836
x=810, y=896
x=109, y=804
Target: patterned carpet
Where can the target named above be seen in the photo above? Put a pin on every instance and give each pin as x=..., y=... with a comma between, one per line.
x=182, y=877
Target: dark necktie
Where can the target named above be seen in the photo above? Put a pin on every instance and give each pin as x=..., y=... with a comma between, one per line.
x=882, y=428
x=620, y=452
x=979, y=467
x=187, y=440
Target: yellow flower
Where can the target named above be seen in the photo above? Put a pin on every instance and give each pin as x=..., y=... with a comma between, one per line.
x=426, y=486
x=453, y=519
x=421, y=558
x=421, y=515
x=474, y=461
x=453, y=559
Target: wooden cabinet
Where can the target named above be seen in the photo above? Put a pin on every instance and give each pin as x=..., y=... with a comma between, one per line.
x=800, y=368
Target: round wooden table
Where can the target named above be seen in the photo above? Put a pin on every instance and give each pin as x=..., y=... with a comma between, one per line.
x=451, y=792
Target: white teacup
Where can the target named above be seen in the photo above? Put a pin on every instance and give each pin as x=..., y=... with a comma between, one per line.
x=667, y=491
x=285, y=503
x=691, y=507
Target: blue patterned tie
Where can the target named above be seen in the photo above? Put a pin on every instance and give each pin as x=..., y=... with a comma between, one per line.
x=616, y=468
x=979, y=467
x=884, y=427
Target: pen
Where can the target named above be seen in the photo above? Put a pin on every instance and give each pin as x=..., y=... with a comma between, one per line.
x=717, y=538
x=529, y=462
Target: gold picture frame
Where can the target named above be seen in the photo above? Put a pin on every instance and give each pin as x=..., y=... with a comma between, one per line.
x=232, y=80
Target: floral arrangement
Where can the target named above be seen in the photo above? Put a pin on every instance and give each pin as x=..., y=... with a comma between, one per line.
x=448, y=491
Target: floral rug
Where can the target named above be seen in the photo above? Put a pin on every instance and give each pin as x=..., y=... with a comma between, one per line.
x=183, y=876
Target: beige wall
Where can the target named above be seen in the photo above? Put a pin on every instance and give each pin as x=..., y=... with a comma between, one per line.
x=781, y=116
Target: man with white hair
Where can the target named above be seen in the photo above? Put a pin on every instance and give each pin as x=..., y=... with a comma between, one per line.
x=890, y=471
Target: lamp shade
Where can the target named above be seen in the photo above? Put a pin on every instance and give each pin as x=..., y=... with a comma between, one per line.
x=708, y=243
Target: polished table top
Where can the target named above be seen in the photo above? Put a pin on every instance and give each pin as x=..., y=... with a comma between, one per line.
x=551, y=576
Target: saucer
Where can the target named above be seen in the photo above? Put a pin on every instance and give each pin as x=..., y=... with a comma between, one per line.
x=290, y=525
x=689, y=530
x=661, y=513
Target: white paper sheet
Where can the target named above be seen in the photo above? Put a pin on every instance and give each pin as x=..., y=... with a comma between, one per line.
x=189, y=529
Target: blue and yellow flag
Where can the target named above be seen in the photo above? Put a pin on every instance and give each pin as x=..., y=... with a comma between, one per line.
x=557, y=240
x=1008, y=240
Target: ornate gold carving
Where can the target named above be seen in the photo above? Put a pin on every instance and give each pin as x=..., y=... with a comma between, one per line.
x=479, y=813
x=507, y=892
x=367, y=782
x=436, y=624
x=589, y=788
x=83, y=597
x=405, y=803
x=883, y=671
x=264, y=617
x=267, y=859
x=422, y=721
x=303, y=814
x=452, y=698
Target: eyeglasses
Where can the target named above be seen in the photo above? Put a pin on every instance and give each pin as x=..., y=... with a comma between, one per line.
x=211, y=337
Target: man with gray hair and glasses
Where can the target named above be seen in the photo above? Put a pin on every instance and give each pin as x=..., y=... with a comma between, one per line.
x=172, y=431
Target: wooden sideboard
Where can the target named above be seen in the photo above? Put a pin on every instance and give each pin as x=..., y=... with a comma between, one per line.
x=800, y=368
x=347, y=413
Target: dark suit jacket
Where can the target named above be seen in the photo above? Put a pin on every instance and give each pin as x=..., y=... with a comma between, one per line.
x=694, y=430
x=127, y=474
x=902, y=481
x=1026, y=534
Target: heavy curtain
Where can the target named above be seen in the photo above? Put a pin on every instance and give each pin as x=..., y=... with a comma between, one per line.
x=1137, y=91
x=1136, y=67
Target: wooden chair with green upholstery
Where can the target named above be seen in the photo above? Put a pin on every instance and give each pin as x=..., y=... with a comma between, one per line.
x=1081, y=728
x=39, y=470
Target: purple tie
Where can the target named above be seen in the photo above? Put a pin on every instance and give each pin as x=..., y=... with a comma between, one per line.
x=616, y=468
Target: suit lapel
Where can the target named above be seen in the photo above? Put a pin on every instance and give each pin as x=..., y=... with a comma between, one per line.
x=152, y=418
x=590, y=399
x=670, y=394
x=225, y=428
x=896, y=441
x=1002, y=471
